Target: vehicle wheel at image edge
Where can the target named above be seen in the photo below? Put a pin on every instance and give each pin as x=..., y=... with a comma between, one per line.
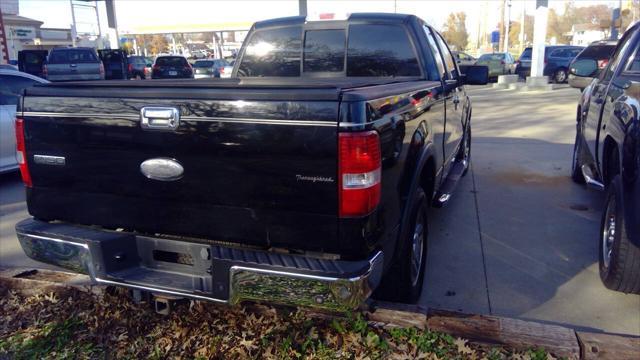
x=560, y=76
x=403, y=280
x=619, y=259
x=576, y=166
x=465, y=151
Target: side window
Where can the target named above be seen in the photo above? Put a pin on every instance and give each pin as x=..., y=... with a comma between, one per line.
x=616, y=58
x=556, y=53
x=380, y=50
x=272, y=52
x=634, y=62
x=448, y=58
x=324, y=51
x=15, y=84
x=435, y=51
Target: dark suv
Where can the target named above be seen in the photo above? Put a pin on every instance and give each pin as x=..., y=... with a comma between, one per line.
x=171, y=67
x=136, y=67
x=556, y=61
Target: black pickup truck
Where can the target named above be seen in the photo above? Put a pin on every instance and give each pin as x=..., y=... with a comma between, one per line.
x=607, y=157
x=305, y=179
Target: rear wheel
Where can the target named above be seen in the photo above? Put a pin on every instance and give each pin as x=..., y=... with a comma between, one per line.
x=403, y=281
x=560, y=76
x=619, y=259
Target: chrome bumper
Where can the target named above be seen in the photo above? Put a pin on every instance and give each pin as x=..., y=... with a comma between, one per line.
x=246, y=281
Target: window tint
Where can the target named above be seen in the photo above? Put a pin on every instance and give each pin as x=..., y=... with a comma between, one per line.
x=435, y=51
x=324, y=51
x=380, y=50
x=203, y=64
x=72, y=56
x=526, y=54
x=272, y=52
x=448, y=58
x=616, y=58
x=488, y=57
x=634, y=62
x=598, y=52
x=558, y=53
x=171, y=61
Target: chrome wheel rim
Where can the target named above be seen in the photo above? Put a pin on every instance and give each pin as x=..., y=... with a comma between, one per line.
x=417, y=249
x=561, y=76
x=608, y=233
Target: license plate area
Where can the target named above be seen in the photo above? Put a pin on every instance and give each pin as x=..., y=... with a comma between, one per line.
x=173, y=73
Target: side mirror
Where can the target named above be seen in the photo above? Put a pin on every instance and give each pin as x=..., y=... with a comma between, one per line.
x=584, y=68
x=475, y=74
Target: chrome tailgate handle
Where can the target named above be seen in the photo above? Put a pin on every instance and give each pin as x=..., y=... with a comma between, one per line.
x=159, y=118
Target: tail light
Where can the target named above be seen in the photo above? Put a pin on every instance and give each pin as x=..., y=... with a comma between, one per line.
x=221, y=70
x=188, y=68
x=21, y=153
x=517, y=62
x=502, y=62
x=603, y=63
x=101, y=70
x=155, y=67
x=45, y=71
x=130, y=67
x=359, y=173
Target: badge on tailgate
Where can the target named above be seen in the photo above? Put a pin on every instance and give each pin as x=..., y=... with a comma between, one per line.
x=162, y=169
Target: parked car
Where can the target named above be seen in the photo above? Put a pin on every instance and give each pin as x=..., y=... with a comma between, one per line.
x=464, y=59
x=115, y=63
x=556, y=61
x=69, y=64
x=136, y=67
x=209, y=68
x=12, y=84
x=600, y=51
x=606, y=153
x=498, y=63
x=31, y=61
x=308, y=182
x=8, y=67
x=171, y=67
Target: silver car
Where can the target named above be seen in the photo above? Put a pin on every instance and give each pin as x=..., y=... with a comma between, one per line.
x=12, y=83
x=72, y=64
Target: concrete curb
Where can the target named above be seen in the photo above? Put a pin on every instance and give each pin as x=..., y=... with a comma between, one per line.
x=518, y=334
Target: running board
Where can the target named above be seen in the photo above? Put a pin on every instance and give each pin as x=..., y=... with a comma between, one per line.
x=590, y=179
x=444, y=193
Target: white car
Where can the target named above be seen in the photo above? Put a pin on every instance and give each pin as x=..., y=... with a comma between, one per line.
x=12, y=83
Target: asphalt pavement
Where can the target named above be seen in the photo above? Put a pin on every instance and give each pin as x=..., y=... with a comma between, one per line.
x=518, y=238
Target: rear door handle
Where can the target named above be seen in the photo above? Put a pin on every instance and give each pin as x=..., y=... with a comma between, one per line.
x=159, y=118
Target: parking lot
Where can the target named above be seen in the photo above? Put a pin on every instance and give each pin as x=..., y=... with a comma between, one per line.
x=518, y=239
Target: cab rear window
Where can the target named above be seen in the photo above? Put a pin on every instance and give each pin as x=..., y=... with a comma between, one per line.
x=72, y=56
x=379, y=50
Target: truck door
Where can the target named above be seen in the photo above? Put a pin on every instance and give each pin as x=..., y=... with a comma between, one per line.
x=600, y=96
x=31, y=61
x=454, y=95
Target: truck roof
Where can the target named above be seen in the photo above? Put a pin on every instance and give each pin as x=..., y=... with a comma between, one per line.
x=294, y=20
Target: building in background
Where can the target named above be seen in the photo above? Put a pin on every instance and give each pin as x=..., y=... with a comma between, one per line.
x=585, y=34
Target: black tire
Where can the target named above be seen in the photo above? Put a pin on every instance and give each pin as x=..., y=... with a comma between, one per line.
x=465, y=150
x=560, y=76
x=619, y=259
x=576, y=164
x=401, y=283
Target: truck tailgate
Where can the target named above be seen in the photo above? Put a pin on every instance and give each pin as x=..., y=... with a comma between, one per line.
x=259, y=166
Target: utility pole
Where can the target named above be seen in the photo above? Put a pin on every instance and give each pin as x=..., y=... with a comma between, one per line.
x=507, y=27
x=74, y=29
x=539, y=38
x=302, y=7
x=501, y=40
x=524, y=17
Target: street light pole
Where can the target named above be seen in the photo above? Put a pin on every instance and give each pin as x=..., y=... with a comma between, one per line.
x=507, y=26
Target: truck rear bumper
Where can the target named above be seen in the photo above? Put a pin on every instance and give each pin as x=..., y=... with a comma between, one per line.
x=201, y=270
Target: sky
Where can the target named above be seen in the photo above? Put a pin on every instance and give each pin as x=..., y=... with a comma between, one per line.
x=133, y=15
